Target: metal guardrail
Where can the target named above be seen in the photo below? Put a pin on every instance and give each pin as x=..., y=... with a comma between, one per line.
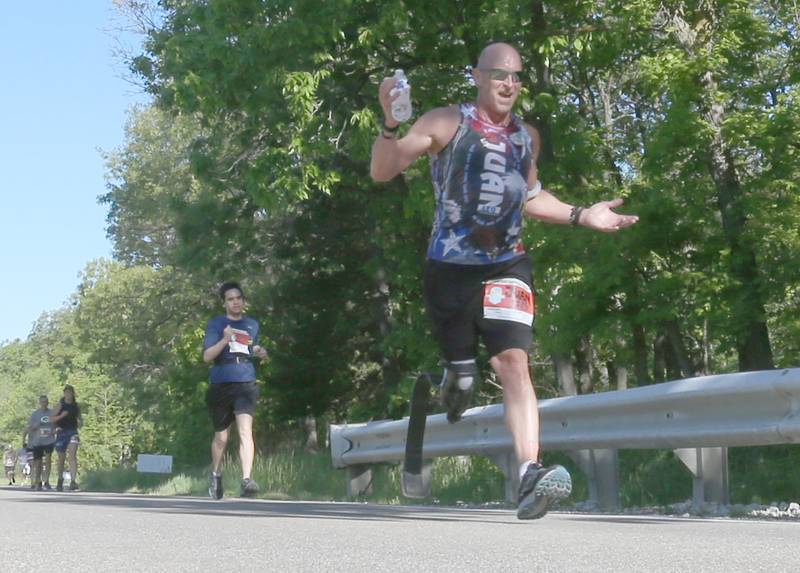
x=743, y=409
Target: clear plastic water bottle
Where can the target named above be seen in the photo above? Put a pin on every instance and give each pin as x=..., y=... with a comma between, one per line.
x=401, y=107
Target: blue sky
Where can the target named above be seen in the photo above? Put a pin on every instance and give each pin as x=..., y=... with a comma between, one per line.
x=63, y=99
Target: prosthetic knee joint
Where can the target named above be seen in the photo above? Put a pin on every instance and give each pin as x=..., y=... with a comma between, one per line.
x=458, y=383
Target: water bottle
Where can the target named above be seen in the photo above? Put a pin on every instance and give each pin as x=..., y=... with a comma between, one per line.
x=401, y=107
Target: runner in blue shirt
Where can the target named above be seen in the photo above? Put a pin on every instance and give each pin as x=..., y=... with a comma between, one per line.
x=230, y=345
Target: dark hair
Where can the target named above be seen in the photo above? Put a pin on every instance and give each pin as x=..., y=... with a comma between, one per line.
x=228, y=286
x=70, y=388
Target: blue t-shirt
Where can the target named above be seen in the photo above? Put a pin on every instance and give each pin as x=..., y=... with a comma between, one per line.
x=226, y=368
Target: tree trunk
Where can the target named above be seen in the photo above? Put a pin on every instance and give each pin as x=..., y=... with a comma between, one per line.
x=622, y=377
x=565, y=374
x=585, y=370
x=681, y=357
x=659, y=358
x=603, y=370
x=752, y=337
x=640, y=370
x=544, y=84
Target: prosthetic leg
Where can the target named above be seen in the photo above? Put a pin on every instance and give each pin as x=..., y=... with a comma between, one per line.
x=458, y=385
x=415, y=481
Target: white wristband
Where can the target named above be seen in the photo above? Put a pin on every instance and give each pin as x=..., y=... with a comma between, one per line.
x=535, y=190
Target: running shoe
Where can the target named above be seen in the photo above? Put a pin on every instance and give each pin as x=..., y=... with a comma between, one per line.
x=215, y=488
x=47, y=486
x=541, y=488
x=249, y=488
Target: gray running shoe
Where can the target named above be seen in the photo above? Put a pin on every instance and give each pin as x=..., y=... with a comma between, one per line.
x=541, y=488
x=215, y=487
x=249, y=488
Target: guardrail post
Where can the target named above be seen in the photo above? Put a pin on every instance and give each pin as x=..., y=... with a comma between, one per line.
x=507, y=462
x=601, y=468
x=359, y=480
x=709, y=466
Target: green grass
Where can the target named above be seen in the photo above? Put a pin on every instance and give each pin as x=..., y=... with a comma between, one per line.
x=302, y=476
x=647, y=478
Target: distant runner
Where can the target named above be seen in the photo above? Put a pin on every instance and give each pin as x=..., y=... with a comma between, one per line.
x=25, y=459
x=67, y=417
x=41, y=437
x=10, y=462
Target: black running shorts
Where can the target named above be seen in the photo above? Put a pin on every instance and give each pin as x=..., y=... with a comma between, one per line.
x=227, y=399
x=40, y=451
x=466, y=303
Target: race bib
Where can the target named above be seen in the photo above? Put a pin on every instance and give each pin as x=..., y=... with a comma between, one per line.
x=508, y=299
x=45, y=432
x=74, y=439
x=240, y=341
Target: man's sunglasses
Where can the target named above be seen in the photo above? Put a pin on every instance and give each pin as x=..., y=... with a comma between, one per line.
x=499, y=75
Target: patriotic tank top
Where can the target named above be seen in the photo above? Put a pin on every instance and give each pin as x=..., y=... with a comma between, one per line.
x=480, y=181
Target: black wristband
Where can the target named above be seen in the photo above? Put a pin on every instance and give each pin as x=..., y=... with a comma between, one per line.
x=390, y=129
x=390, y=135
x=575, y=215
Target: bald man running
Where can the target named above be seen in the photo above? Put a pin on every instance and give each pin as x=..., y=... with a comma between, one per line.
x=478, y=282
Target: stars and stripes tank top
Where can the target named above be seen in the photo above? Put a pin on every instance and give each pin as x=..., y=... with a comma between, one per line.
x=481, y=183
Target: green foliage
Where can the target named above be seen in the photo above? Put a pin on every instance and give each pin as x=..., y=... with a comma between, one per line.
x=253, y=164
x=652, y=477
x=763, y=475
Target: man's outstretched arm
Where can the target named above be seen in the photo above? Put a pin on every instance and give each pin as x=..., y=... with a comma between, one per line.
x=600, y=216
x=545, y=206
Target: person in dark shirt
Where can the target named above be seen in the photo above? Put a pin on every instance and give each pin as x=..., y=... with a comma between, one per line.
x=67, y=419
x=230, y=345
x=478, y=278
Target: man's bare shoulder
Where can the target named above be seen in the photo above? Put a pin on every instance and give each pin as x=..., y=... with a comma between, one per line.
x=536, y=139
x=446, y=112
x=532, y=131
x=440, y=124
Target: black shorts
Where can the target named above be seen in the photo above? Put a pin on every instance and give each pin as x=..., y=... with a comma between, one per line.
x=40, y=451
x=227, y=399
x=464, y=308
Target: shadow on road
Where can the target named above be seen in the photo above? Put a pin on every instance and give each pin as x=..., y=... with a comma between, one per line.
x=266, y=508
x=628, y=520
x=312, y=509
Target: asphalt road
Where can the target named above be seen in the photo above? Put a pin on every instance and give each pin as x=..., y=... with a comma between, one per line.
x=70, y=532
